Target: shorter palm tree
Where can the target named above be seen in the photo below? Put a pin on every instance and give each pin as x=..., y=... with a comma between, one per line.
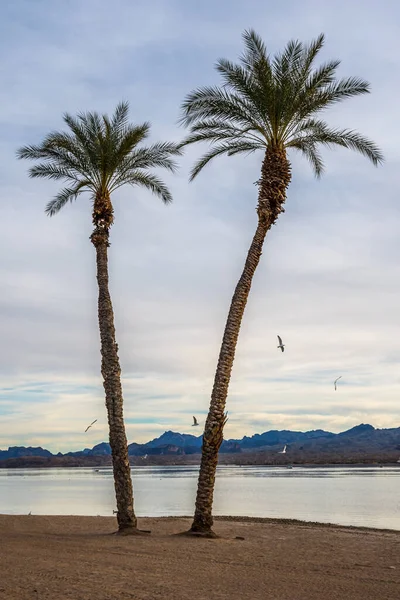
x=272, y=105
x=99, y=155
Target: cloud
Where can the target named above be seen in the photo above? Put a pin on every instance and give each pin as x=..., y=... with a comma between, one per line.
x=328, y=281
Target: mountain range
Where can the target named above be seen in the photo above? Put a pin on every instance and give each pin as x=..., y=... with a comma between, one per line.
x=362, y=443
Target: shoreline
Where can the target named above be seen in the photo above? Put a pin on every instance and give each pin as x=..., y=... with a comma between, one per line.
x=228, y=518
x=298, y=522
x=253, y=559
x=294, y=465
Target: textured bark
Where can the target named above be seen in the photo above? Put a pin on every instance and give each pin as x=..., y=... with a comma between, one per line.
x=103, y=212
x=275, y=178
x=111, y=371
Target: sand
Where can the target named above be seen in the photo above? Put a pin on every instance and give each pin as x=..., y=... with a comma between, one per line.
x=57, y=558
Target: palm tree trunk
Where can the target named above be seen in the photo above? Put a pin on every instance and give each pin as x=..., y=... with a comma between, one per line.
x=111, y=371
x=275, y=178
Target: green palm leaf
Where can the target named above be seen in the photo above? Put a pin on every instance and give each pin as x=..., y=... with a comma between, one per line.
x=99, y=154
x=273, y=101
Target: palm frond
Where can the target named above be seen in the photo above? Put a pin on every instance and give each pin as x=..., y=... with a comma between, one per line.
x=31, y=152
x=130, y=137
x=310, y=127
x=244, y=147
x=322, y=135
x=244, y=84
x=85, y=144
x=355, y=141
x=310, y=53
x=92, y=122
x=54, y=152
x=63, y=197
x=120, y=117
x=53, y=171
x=309, y=149
x=157, y=155
x=321, y=77
x=152, y=183
x=255, y=51
x=218, y=150
x=345, y=88
x=288, y=63
x=209, y=102
x=308, y=91
x=316, y=100
x=213, y=131
x=64, y=149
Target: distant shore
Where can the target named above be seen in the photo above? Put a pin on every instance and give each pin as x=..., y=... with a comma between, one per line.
x=38, y=462
x=76, y=557
x=237, y=459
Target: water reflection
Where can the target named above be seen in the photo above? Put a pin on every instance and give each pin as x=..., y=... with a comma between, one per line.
x=349, y=496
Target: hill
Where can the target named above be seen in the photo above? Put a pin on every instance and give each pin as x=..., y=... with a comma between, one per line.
x=360, y=444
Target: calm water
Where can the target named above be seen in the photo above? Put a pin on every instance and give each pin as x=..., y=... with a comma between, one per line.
x=348, y=496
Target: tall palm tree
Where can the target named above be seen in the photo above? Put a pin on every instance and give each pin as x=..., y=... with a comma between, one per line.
x=270, y=104
x=99, y=155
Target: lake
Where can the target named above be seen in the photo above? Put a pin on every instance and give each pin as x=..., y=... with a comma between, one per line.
x=363, y=496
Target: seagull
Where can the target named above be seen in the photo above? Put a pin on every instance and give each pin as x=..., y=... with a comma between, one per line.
x=282, y=451
x=281, y=345
x=334, y=383
x=89, y=426
x=195, y=423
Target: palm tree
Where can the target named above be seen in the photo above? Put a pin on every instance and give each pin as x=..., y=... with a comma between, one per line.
x=270, y=104
x=99, y=155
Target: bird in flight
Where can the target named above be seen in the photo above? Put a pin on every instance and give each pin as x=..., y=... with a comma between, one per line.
x=282, y=451
x=89, y=426
x=195, y=423
x=336, y=380
x=281, y=344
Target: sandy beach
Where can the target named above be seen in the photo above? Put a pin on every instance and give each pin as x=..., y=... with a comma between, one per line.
x=76, y=558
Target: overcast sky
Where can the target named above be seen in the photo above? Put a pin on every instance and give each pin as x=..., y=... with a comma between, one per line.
x=329, y=278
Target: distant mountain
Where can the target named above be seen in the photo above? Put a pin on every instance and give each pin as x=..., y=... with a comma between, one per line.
x=358, y=430
x=182, y=440
x=99, y=449
x=271, y=438
x=19, y=451
x=361, y=443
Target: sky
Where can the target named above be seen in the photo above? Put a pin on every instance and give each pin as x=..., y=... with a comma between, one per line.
x=329, y=278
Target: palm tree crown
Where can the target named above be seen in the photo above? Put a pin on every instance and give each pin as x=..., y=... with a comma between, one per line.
x=273, y=102
x=100, y=154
